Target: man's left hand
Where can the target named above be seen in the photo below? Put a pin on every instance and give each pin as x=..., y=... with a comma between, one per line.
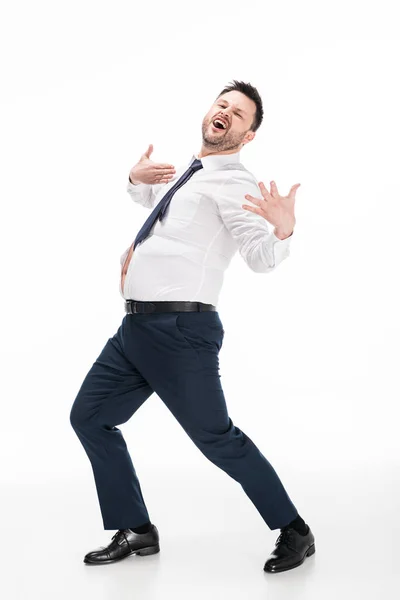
x=277, y=210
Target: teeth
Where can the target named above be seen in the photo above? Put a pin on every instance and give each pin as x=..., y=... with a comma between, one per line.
x=222, y=122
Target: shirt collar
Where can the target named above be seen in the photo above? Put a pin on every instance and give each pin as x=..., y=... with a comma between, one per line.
x=213, y=162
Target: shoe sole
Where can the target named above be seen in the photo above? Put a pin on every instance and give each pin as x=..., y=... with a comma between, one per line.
x=309, y=552
x=140, y=552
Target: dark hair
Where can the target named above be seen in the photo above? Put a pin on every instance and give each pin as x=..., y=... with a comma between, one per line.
x=252, y=93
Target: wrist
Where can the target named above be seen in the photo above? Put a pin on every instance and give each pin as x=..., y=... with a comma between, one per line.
x=283, y=234
x=133, y=181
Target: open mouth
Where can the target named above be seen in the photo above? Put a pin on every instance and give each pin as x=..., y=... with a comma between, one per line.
x=219, y=124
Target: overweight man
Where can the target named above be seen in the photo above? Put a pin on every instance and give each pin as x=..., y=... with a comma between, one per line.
x=169, y=339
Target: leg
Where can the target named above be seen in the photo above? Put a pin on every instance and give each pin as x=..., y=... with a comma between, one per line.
x=110, y=394
x=189, y=384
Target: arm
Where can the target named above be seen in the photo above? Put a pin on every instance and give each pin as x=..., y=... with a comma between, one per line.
x=259, y=247
x=143, y=193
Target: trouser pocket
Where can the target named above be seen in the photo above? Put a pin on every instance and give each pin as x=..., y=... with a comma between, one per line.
x=201, y=330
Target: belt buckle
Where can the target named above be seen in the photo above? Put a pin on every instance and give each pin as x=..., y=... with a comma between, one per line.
x=130, y=307
x=135, y=306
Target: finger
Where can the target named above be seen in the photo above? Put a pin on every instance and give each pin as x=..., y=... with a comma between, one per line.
x=274, y=189
x=293, y=190
x=265, y=193
x=164, y=171
x=253, y=209
x=253, y=199
x=164, y=178
x=163, y=166
x=149, y=150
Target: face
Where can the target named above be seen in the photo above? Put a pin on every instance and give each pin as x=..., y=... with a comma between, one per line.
x=237, y=111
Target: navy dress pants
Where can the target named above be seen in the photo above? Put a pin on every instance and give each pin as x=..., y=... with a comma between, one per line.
x=174, y=354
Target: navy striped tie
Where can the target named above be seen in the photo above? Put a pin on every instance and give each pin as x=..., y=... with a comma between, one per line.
x=160, y=210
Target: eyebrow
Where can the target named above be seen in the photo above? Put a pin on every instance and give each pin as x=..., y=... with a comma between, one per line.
x=238, y=109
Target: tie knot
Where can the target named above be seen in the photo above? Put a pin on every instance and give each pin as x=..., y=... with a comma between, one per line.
x=196, y=165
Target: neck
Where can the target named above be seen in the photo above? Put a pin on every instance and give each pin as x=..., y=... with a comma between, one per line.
x=206, y=152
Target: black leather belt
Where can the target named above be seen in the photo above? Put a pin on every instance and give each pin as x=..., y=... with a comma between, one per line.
x=137, y=306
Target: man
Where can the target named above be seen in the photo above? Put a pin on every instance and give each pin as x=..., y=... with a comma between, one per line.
x=169, y=340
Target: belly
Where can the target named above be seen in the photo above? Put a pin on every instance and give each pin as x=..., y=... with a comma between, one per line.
x=125, y=267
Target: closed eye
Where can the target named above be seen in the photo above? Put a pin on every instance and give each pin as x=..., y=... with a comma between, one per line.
x=236, y=113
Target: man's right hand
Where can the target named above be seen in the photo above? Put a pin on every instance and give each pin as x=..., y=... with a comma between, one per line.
x=147, y=171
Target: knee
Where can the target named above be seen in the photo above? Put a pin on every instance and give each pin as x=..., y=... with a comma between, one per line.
x=79, y=416
x=223, y=442
x=74, y=417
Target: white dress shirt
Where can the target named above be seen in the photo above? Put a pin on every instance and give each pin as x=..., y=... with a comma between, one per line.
x=186, y=254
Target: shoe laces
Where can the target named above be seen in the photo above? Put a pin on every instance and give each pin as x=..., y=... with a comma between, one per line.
x=284, y=536
x=118, y=533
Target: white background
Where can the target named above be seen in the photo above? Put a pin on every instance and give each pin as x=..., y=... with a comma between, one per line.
x=309, y=363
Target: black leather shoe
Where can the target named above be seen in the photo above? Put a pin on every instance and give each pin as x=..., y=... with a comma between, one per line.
x=124, y=543
x=291, y=550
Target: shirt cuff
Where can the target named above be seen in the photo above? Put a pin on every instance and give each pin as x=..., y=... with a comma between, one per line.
x=286, y=241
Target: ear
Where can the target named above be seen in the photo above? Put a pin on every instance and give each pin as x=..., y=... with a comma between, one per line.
x=248, y=137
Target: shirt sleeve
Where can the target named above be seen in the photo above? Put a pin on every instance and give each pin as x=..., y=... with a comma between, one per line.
x=259, y=247
x=143, y=193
